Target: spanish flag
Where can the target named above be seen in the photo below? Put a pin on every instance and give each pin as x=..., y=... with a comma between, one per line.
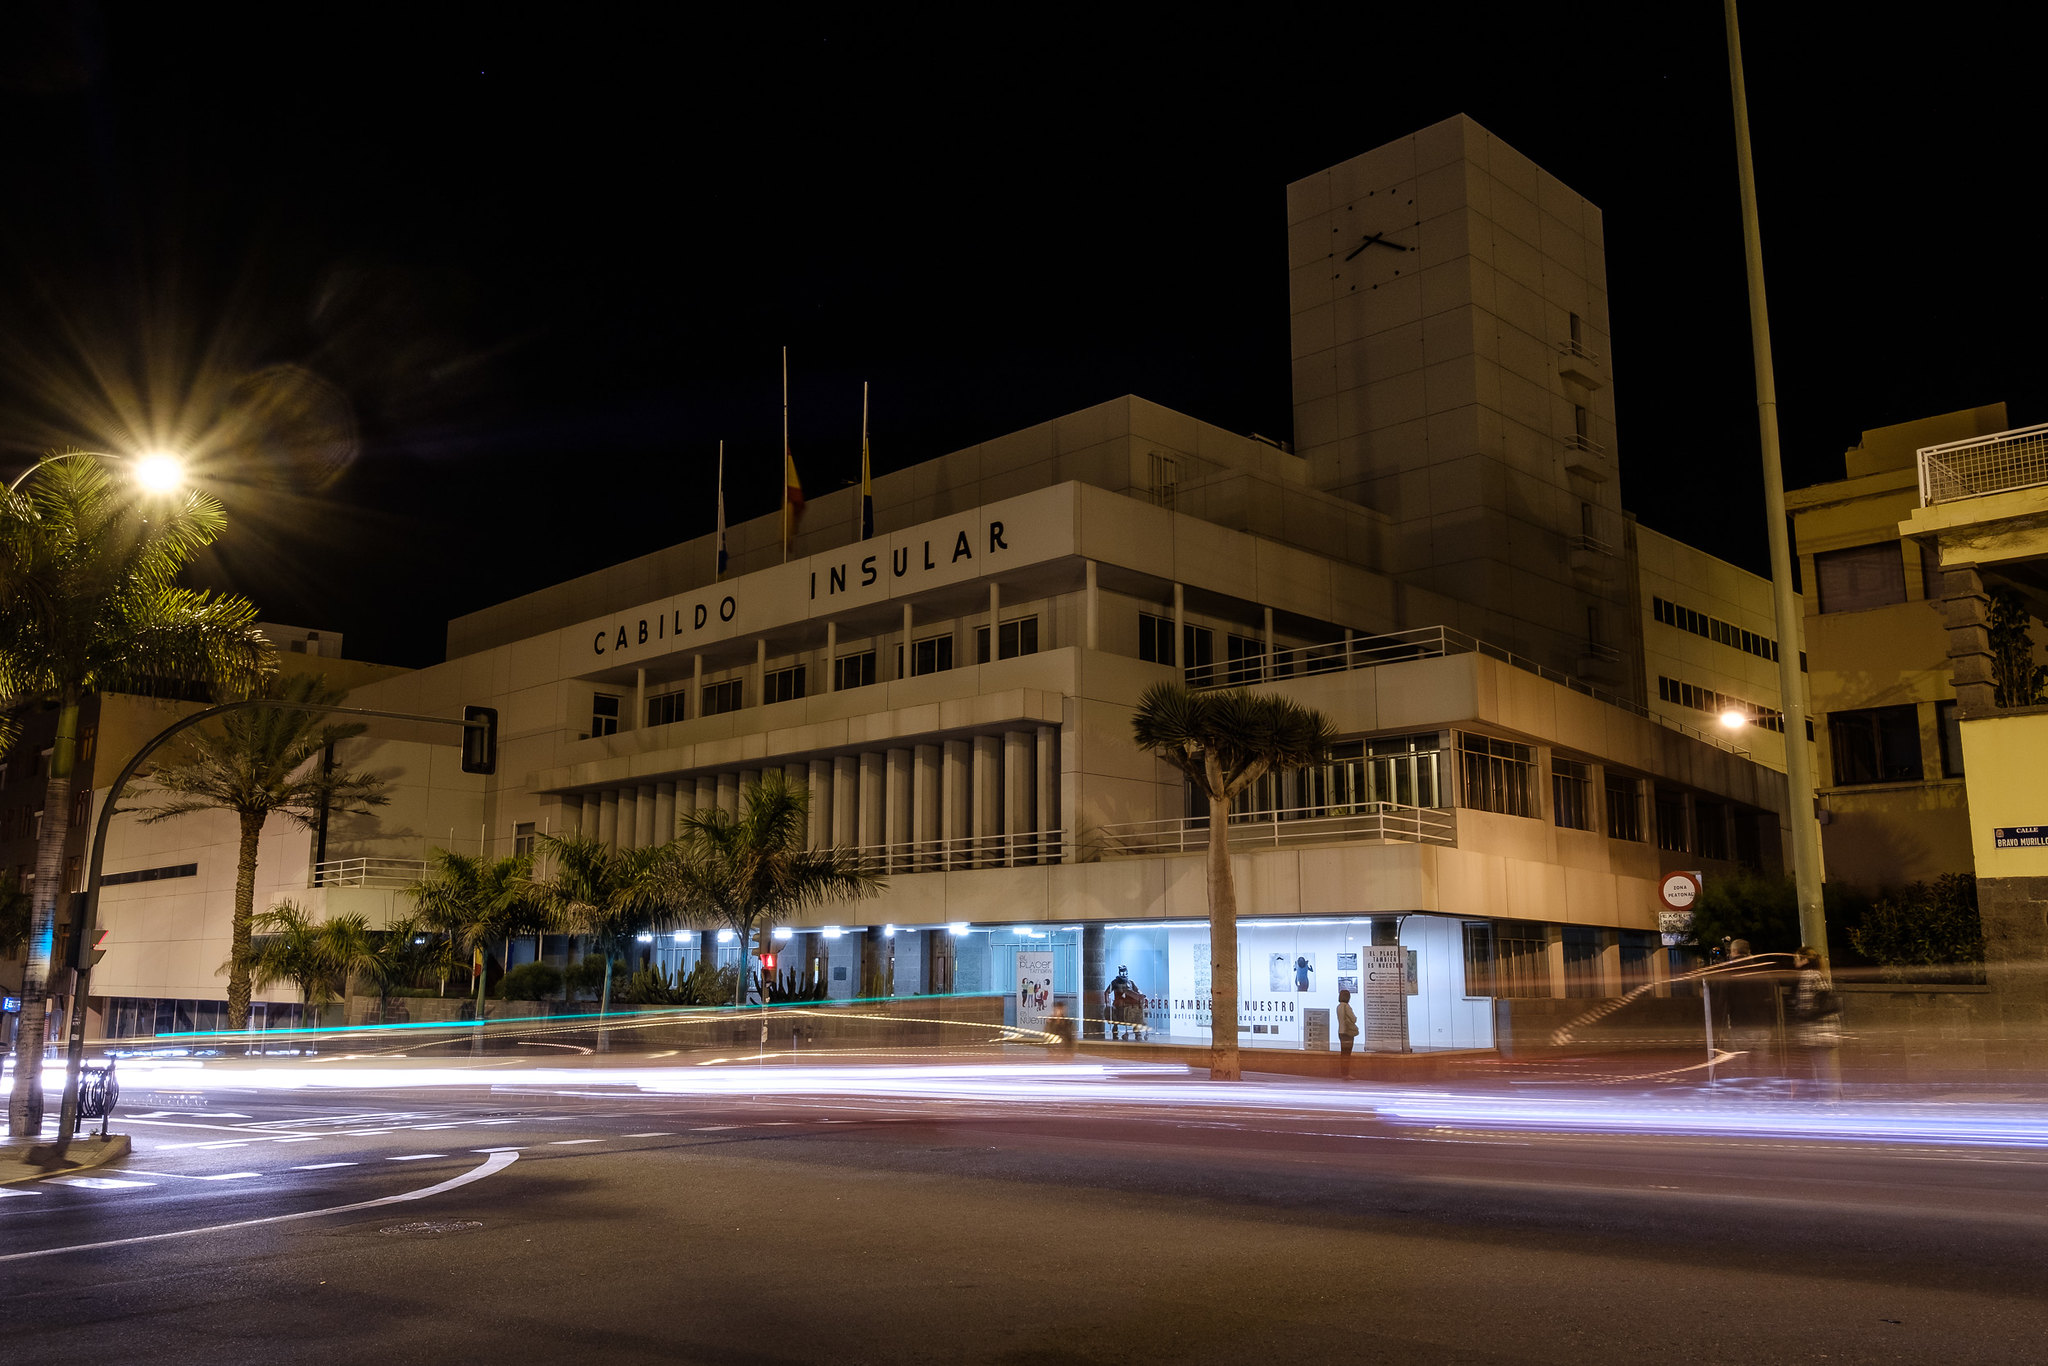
x=867, y=487
x=792, y=498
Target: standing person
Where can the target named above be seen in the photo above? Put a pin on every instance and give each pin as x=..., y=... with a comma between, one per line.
x=1347, y=1030
x=1816, y=1027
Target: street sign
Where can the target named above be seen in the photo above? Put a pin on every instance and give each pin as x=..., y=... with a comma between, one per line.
x=10, y=1005
x=2019, y=836
x=1679, y=890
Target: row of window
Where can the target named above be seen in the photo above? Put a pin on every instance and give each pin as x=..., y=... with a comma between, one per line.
x=1715, y=703
x=1514, y=960
x=1882, y=744
x=1714, y=629
x=1859, y=577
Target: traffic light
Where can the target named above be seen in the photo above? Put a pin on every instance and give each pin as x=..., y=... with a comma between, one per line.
x=768, y=962
x=93, y=952
x=480, y=741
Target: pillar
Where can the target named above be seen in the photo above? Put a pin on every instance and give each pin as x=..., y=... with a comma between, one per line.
x=608, y=816
x=874, y=963
x=795, y=776
x=896, y=808
x=1966, y=612
x=954, y=804
x=821, y=803
x=874, y=774
x=995, y=614
x=664, y=813
x=1045, y=804
x=707, y=793
x=644, y=808
x=729, y=793
x=571, y=820
x=1091, y=611
x=760, y=671
x=629, y=817
x=845, y=800
x=988, y=799
x=694, y=704
x=927, y=781
x=1266, y=665
x=904, y=670
x=1180, y=630
x=639, y=699
x=1020, y=784
x=1094, y=978
x=831, y=656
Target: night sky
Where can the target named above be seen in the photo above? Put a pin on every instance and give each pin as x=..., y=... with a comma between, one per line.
x=454, y=305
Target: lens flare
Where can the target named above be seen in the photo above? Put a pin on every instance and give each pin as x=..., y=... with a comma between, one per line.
x=160, y=472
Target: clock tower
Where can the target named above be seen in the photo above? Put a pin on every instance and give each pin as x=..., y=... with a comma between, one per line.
x=1448, y=302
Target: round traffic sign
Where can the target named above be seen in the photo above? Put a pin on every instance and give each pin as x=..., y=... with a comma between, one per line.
x=1679, y=890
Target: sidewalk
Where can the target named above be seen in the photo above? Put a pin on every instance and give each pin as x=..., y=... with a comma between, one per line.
x=23, y=1160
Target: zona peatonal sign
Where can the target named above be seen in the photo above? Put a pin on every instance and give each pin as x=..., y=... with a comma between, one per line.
x=1029, y=529
x=1679, y=890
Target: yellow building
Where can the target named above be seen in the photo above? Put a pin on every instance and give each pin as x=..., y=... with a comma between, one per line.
x=1893, y=803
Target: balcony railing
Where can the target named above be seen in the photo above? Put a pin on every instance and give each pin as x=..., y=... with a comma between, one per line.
x=387, y=873
x=1371, y=823
x=1022, y=850
x=1396, y=647
x=1998, y=463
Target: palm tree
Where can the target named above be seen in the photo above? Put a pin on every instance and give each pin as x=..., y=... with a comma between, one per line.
x=1224, y=742
x=611, y=895
x=756, y=867
x=257, y=764
x=89, y=602
x=15, y=905
x=290, y=946
x=477, y=901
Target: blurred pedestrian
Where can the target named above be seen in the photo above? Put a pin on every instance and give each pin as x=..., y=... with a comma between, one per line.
x=1347, y=1030
x=1061, y=1026
x=1816, y=1027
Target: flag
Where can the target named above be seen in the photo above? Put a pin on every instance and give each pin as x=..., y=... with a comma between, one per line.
x=721, y=511
x=792, y=498
x=867, y=486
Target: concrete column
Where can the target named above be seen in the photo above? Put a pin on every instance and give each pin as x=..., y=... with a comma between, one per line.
x=629, y=817
x=1966, y=611
x=1020, y=783
x=1660, y=966
x=874, y=777
x=643, y=818
x=874, y=963
x=1094, y=975
x=896, y=807
x=831, y=656
x=639, y=699
x=750, y=778
x=572, y=814
x=1267, y=670
x=1045, y=803
x=729, y=793
x=693, y=705
x=707, y=947
x=904, y=671
x=1610, y=962
x=926, y=782
x=760, y=671
x=1553, y=952
x=795, y=775
x=608, y=816
x=707, y=794
x=821, y=803
x=664, y=813
x=1091, y=611
x=1180, y=630
x=988, y=800
x=845, y=800
x=995, y=614
x=955, y=802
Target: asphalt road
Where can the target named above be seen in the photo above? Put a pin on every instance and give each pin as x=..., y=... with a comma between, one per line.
x=585, y=1224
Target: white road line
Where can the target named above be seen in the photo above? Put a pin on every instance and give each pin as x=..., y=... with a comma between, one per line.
x=100, y=1183
x=188, y=1176
x=665, y=1133
x=231, y=1143
x=415, y=1157
x=6, y=1191
x=499, y=1150
x=713, y=1128
x=295, y=1140
x=496, y=1162
x=571, y=1142
x=321, y=1166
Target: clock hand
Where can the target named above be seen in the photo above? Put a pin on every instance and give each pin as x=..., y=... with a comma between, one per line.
x=1377, y=240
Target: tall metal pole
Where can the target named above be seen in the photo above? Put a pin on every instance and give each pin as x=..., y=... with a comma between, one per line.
x=1806, y=857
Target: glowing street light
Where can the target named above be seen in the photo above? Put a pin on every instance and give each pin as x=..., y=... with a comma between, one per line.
x=159, y=471
x=1734, y=719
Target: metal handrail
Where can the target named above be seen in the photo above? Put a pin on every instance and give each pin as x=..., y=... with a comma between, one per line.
x=1023, y=849
x=1999, y=463
x=386, y=873
x=1366, y=822
x=1398, y=647
x=1575, y=442
x=1572, y=346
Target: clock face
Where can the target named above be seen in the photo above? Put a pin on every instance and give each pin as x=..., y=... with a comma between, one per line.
x=1373, y=239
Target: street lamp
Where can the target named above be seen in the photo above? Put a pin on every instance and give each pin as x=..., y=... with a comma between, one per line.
x=159, y=471
x=1734, y=719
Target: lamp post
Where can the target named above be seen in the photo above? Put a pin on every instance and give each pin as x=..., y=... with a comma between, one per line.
x=1806, y=864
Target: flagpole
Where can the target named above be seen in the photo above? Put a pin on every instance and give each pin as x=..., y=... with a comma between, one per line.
x=718, y=546
x=860, y=504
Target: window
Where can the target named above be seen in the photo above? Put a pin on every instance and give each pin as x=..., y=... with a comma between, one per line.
x=720, y=698
x=1624, y=814
x=1521, y=960
x=1876, y=745
x=1401, y=769
x=1749, y=847
x=1669, y=810
x=932, y=655
x=1951, y=727
x=3, y=775
x=1638, y=948
x=1710, y=829
x=74, y=874
x=783, y=685
x=1155, y=638
x=1247, y=659
x=1582, y=422
x=1860, y=577
x=1571, y=794
x=81, y=807
x=667, y=709
x=1713, y=628
x=853, y=671
x=1198, y=649
x=604, y=714
x=1582, y=974
x=1500, y=775
x=1479, y=973
x=149, y=874
x=1165, y=480
x=523, y=837
x=1717, y=703
x=88, y=744
x=1013, y=638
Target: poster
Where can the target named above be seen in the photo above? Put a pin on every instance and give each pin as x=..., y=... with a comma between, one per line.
x=1034, y=989
x=1385, y=1017
x=1279, y=973
x=1201, y=967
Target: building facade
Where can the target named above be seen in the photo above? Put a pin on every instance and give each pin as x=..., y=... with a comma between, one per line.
x=1443, y=571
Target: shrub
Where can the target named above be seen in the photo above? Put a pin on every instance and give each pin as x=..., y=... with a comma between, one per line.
x=708, y=985
x=1924, y=926
x=531, y=982
x=648, y=987
x=585, y=976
